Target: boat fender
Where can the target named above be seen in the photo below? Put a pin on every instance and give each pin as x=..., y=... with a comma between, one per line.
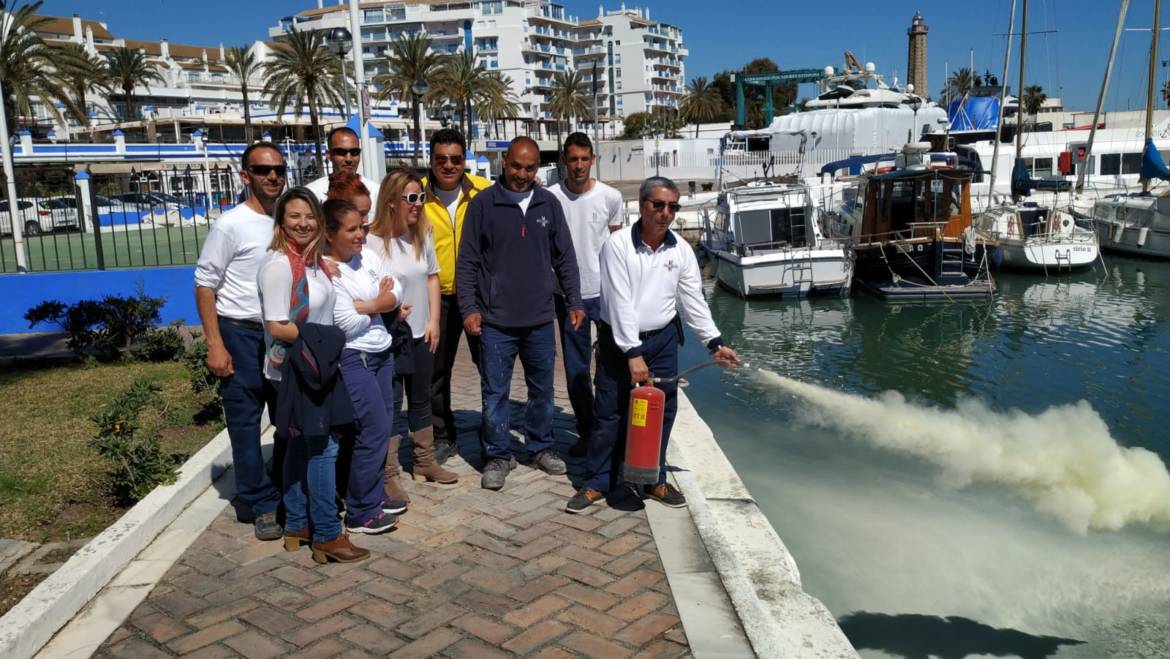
x=1143, y=233
x=1118, y=232
x=969, y=240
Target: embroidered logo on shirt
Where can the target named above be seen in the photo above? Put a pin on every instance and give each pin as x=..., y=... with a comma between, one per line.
x=542, y=221
x=670, y=265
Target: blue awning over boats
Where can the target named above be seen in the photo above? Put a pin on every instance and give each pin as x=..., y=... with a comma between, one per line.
x=974, y=113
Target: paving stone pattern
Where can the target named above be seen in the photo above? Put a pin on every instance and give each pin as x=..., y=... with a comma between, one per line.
x=468, y=573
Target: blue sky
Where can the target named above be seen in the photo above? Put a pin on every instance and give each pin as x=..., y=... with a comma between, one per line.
x=1069, y=62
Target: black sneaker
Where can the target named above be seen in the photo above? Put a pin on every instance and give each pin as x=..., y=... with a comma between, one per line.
x=584, y=498
x=444, y=450
x=495, y=472
x=393, y=507
x=666, y=494
x=267, y=528
x=549, y=462
x=380, y=524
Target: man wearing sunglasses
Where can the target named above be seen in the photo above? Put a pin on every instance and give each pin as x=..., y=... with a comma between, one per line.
x=515, y=240
x=228, y=299
x=345, y=154
x=448, y=189
x=650, y=284
x=593, y=210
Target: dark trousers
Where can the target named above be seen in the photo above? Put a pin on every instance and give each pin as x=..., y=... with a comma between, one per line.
x=244, y=394
x=369, y=379
x=577, y=354
x=536, y=347
x=450, y=329
x=415, y=386
x=611, y=404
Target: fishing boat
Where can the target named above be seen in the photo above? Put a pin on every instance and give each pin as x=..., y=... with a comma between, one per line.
x=913, y=231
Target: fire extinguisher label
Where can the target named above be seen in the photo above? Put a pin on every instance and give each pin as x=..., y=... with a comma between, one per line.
x=638, y=413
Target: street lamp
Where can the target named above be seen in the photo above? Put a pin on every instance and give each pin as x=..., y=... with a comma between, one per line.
x=418, y=90
x=340, y=41
x=915, y=103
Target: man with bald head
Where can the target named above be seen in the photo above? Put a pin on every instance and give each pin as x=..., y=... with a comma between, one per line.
x=514, y=249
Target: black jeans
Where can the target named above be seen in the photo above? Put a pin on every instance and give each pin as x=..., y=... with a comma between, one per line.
x=416, y=387
x=450, y=329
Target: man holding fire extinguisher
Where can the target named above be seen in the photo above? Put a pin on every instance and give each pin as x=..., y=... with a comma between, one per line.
x=650, y=285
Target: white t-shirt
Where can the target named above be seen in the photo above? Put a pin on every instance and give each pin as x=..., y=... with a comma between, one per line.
x=589, y=216
x=359, y=280
x=232, y=254
x=275, y=281
x=520, y=198
x=320, y=187
x=413, y=273
x=450, y=199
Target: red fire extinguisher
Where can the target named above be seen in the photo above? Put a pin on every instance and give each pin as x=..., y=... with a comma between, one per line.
x=644, y=435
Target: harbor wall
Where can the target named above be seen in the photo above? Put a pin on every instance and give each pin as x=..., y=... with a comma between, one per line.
x=758, y=572
x=21, y=292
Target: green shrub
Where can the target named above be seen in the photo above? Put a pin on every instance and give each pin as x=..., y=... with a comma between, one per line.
x=105, y=330
x=160, y=345
x=203, y=381
x=136, y=460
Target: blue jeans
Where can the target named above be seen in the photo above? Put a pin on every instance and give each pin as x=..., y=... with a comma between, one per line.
x=310, y=472
x=369, y=379
x=244, y=394
x=499, y=347
x=577, y=353
x=611, y=404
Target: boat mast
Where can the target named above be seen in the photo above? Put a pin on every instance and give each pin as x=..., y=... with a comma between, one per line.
x=1007, y=56
x=1156, y=30
x=1020, y=89
x=1101, y=96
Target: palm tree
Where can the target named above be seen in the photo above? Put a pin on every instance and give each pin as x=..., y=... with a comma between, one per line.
x=28, y=65
x=410, y=59
x=702, y=103
x=1032, y=99
x=960, y=82
x=496, y=100
x=303, y=71
x=130, y=69
x=243, y=64
x=461, y=80
x=569, y=97
x=83, y=73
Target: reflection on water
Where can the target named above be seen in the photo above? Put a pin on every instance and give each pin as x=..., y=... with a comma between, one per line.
x=882, y=532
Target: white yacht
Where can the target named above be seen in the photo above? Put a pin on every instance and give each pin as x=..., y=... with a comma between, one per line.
x=1033, y=237
x=1134, y=224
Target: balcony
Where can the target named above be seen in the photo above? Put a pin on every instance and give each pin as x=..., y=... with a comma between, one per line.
x=594, y=51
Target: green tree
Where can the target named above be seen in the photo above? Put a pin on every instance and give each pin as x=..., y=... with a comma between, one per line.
x=496, y=100
x=635, y=125
x=1033, y=98
x=130, y=69
x=569, y=97
x=28, y=65
x=410, y=59
x=960, y=82
x=244, y=66
x=701, y=103
x=461, y=79
x=83, y=73
x=302, y=71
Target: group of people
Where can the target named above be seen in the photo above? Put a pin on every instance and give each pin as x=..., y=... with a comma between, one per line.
x=335, y=303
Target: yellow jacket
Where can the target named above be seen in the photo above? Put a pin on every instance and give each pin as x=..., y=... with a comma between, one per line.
x=447, y=233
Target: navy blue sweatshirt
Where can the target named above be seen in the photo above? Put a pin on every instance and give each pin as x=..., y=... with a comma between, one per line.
x=507, y=259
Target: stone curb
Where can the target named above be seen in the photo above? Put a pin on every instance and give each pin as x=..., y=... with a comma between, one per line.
x=28, y=626
x=758, y=572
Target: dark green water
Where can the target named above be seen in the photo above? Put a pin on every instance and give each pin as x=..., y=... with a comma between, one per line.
x=914, y=558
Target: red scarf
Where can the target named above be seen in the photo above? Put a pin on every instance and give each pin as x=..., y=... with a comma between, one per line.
x=298, y=305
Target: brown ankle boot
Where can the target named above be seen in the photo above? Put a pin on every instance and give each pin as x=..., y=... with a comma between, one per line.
x=338, y=549
x=392, y=485
x=294, y=540
x=425, y=466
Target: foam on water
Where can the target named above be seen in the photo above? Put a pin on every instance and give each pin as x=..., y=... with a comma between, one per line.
x=1063, y=460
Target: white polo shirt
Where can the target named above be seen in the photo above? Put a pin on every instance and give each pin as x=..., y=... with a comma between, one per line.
x=642, y=290
x=320, y=187
x=230, y=260
x=590, y=216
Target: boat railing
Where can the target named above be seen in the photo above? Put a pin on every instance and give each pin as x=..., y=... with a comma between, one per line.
x=914, y=232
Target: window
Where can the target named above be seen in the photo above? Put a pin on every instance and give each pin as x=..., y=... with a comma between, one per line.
x=1110, y=164
x=1042, y=167
x=1131, y=163
x=374, y=16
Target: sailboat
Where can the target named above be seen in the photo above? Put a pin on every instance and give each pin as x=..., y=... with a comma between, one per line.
x=1032, y=236
x=1139, y=223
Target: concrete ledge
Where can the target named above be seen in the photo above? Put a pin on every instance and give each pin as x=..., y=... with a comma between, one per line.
x=32, y=622
x=758, y=572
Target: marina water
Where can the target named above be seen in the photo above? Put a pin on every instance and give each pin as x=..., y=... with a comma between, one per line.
x=965, y=479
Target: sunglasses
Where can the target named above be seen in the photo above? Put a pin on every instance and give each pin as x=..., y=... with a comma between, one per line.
x=658, y=205
x=413, y=197
x=443, y=159
x=264, y=170
x=345, y=152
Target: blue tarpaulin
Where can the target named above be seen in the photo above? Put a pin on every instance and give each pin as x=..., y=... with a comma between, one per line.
x=1152, y=164
x=974, y=113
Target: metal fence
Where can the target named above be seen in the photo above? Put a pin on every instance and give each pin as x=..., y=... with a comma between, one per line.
x=140, y=218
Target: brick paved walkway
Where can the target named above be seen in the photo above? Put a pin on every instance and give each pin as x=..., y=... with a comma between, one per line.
x=468, y=573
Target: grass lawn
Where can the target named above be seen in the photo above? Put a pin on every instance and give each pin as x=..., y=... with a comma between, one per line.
x=134, y=247
x=52, y=482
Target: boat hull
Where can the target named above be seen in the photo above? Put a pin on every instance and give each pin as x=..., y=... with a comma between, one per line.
x=924, y=271
x=1116, y=237
x=794, y=274
x=1047, y=256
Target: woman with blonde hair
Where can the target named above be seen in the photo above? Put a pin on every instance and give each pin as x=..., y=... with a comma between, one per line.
x=402, y=234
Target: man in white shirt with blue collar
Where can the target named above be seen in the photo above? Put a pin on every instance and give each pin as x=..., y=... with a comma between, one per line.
x=650, y=284
x=345, y=154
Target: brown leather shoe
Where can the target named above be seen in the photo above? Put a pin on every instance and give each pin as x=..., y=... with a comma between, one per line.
x=392, y=482
x=340, y=550
x=294, y=540
x=425, y=466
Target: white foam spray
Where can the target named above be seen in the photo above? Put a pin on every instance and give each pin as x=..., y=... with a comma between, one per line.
x=1063, y=459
